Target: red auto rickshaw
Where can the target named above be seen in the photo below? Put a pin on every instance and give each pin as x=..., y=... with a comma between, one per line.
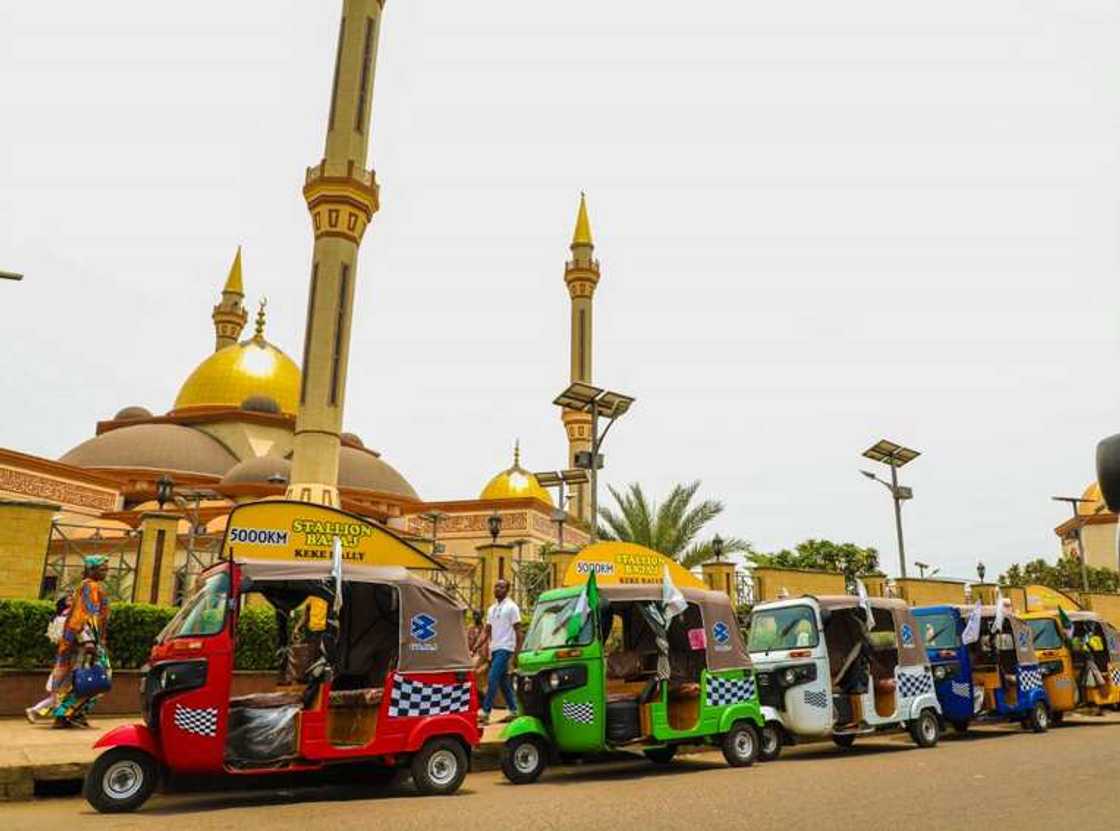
x=388, y=686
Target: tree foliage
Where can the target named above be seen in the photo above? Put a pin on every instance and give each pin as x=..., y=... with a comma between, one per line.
x=846, y=557
x=1065, y=574
x=671, y=527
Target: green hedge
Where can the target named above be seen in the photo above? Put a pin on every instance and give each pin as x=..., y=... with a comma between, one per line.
x=132, y=629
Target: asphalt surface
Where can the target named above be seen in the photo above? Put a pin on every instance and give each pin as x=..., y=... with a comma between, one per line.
x=996, y=777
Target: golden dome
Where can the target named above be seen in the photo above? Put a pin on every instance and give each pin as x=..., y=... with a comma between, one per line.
x=252, y=368
x=515, y=483
x=1093, y=492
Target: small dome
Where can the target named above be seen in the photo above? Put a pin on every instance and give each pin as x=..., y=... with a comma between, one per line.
x=258, y=470
x=363, y=469
x=166, y=447
x=515, y=483
x=260, y=404
x=132, y=414
x=1092, y=493
x=352, y=440
x=238, y=373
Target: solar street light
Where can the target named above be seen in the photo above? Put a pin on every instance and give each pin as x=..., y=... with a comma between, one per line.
x=894, y=456
x=1075, y=502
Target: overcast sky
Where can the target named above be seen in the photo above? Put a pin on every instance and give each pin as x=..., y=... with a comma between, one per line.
x=820, y=223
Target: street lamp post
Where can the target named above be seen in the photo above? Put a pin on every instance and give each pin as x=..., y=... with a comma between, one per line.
x=717, y=548
x=1074, y=502
x=599, y=403
x=894, y=456
x=494, y=523
x=558, y=479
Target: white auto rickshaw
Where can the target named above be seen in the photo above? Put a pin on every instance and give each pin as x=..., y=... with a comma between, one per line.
x=836, y=667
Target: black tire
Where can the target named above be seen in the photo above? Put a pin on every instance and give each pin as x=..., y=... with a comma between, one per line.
x=740, y=745
x=121, y=780
x=1039, y=718
x=925, y=730
x=524, y=759
x=440, y=767
x=661, y=755
x=960, y=726
x=844, y=740
x=1057, y=718
x=770, y=742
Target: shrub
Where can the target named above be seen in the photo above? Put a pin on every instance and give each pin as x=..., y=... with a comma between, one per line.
x=23, y=633
x=256, y=638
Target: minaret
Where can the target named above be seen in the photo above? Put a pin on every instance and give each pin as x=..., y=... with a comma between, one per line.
x=581, y=274
x=229, y=315
x=342, y=196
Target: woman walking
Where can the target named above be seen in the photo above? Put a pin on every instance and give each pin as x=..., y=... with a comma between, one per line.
x=54, y=635
x=83, y=644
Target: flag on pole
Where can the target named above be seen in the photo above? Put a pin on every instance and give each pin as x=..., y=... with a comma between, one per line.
x=336, y=574
x=997, y=622
x=971, y=632
x=865, y=604
x=1067, y=624
x=672, y=601
x=588, y=601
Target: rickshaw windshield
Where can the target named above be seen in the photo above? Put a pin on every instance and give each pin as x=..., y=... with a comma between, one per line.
x=203, y=614
x=1046, y=634
x=792, y=627
x=549, y=629
x=939, y=631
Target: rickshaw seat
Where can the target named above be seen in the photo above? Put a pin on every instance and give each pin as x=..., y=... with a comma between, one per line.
x=885, y=685
x=356, y=699
x=680, y=692
x=266, y=701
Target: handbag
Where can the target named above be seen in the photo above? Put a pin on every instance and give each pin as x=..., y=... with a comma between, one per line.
x=90, y=681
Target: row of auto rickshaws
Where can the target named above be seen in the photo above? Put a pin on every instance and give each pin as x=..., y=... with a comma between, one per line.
x=644, y=665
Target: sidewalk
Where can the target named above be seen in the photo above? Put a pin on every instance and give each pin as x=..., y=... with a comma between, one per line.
x=31, y=753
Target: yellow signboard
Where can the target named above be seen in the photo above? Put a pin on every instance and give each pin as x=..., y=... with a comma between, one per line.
x=627, y=564
x=1041, y=598
x=299, y=531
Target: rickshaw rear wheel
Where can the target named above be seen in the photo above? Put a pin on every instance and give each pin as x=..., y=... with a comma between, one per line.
x=844, y=739
x=524, y=759
x=121, y=780
x=960, y=726
x=770, y=742
x=925, y=730
x=440, y=767
x=661, y=755
x=1039, y=718
x=1056, y=718
x=740, y=745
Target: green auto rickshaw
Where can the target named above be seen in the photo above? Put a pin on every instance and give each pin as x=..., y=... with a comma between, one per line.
x=621, y=679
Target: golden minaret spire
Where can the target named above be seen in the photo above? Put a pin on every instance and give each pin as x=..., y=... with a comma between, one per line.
x=581, y=274
x=342, y=196
x=229, y=315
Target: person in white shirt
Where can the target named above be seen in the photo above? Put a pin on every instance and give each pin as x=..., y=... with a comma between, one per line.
x=503, y=635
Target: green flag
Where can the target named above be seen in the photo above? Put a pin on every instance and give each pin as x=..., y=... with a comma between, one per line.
x=1067, y=624
x=587, y=603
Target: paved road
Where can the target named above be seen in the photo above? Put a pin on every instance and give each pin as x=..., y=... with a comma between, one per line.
x=996, y=778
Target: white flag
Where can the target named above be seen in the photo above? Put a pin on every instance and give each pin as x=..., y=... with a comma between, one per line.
x=336, y=574
x=971, y=632
x=997, y=624
x=672, y=601
x=865, y=604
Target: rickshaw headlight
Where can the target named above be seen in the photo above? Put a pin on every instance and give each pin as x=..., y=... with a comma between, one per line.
x=940, y=673
x=799, y=674
x=565, y=678
x=790, y=677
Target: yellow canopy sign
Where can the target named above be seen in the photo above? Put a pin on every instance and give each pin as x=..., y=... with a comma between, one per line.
x=299, y=531
x=1041, y=598
x=626, y=564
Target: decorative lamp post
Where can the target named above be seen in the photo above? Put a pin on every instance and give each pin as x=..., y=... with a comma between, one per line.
x=981, y=570
x=717, y=547
x=165, y=490
x=494, y=523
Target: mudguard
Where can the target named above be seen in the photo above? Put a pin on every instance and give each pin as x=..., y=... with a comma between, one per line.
x=525, y=726
x=449, y=725
x=138, y=736
x=747, y=711
x=923, y=702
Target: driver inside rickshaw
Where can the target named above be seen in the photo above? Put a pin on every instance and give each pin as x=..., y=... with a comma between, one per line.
x=1090, y=659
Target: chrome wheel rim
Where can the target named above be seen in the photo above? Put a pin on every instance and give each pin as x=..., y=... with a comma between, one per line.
x=744, y=744
x=526, y=758
x=123, y=780
x=769, y=740
x=929, y=729
x=443, y=766
x=1042, y=716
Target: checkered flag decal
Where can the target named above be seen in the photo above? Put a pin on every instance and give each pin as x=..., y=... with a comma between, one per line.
x=410, y=699
x=961, y=689
x=1030, y=678
x=578, y=712
x=1114, y=676
x=202, y=722
x=723, y=691
x=911, y=684
x=816, y=698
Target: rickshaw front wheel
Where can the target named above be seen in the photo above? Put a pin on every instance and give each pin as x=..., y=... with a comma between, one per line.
x=524, y=759
x=121, y=780
x=740, y=745
x=925, y=730
x=440, y=767
x=770, y=742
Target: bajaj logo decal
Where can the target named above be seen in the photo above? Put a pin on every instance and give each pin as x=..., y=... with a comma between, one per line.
x=907, y=635
x=721, y=632
x=423, y=628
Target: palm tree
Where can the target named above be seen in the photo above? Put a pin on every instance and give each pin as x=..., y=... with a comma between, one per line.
x=670, y=528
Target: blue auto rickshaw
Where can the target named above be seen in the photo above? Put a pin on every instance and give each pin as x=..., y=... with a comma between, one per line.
x=996, y=678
